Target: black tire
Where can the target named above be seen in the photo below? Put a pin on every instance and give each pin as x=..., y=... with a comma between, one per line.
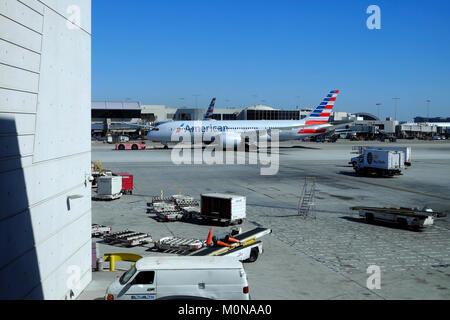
x=369, y=218
x=134, y=147
x=121, y=147
x=402, y=223
x=254, y=253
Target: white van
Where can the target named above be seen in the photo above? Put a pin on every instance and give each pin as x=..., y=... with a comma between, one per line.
x=182, y=277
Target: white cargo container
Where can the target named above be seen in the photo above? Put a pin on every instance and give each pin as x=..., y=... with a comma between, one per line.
x=223, y=207
x=109, y=187
x=381, y=162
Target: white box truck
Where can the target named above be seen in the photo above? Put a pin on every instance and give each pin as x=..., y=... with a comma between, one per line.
x=182, y=278
x=407, y=150
x=379, y=162
x=222, y=207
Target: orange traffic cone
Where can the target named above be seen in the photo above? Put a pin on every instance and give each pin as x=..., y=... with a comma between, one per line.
x=223, y=244
x=230, y=239
x=208, y=239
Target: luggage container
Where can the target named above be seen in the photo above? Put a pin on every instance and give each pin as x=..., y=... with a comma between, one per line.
x=226, y=208
x=109, y=187
x=127, y=182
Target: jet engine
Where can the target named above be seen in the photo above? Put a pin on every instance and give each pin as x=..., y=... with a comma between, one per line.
x=229, y=140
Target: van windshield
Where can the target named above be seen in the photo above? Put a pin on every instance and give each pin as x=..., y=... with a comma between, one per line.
x=127, y=275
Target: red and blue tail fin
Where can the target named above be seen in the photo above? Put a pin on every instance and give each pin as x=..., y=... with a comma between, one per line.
x=321, y=114
x=210, y=111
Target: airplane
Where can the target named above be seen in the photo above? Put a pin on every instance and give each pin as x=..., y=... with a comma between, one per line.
x=210, y=111
x=232, y=132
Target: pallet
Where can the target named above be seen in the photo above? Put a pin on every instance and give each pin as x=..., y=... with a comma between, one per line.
x=128, y=237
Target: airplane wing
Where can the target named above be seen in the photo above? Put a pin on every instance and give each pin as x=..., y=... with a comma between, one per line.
x=141, y=126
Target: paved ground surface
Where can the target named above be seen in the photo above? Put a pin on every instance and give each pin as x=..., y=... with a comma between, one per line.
x=322, y=258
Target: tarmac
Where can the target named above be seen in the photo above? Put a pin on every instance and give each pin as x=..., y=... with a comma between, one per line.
x=323, y=256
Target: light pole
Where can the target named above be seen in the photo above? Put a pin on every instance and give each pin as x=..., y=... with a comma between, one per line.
x=428, y=110
x=378, y=105
x=196, y=100
x=255, y=97
x=395, y=100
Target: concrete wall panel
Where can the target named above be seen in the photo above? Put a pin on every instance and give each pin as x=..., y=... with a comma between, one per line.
x=20, y=35
x=16, y=101
x=78, y=266
x=13, y=163
x=24, y=124
x=18, y=79
x=34, y=4
x=43, y=181
x=13, y=55
x=64, y=97
x=22, y=14
x=12, y=146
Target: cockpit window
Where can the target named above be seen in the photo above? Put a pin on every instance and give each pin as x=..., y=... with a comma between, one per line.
x=127, y=275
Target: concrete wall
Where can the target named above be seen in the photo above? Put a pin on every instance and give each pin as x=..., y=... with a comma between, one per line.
x=45, y=110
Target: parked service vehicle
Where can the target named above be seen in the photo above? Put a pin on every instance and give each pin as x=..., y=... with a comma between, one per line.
x=182, y=277
x=222, y=207
x=380, y=162
x=407, y=217
x=407, y=150
x=131, y=146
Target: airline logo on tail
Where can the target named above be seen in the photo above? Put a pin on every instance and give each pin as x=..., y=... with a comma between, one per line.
x=210, y=111
x=321, y=114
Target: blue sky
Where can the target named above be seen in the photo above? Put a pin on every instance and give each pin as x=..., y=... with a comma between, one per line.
x=281, y=53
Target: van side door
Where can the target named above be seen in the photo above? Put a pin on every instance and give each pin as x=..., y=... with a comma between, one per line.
x=142, y=287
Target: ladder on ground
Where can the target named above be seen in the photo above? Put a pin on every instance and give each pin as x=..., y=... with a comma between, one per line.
x=306, y=202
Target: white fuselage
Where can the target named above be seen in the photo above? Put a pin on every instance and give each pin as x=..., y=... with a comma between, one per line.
x=165, y=131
